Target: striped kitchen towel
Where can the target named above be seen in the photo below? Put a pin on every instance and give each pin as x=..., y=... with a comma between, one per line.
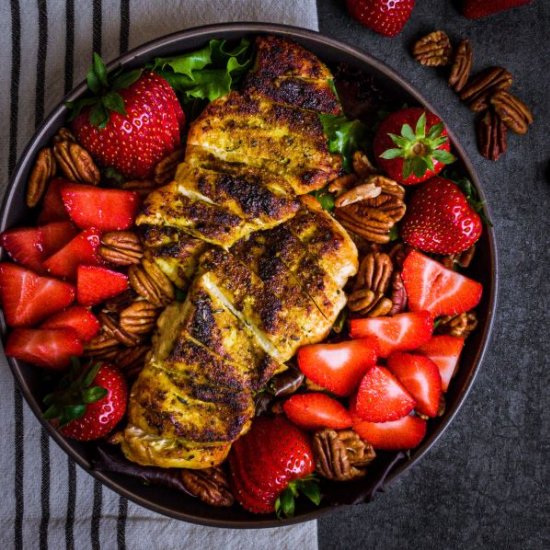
x=45, y=47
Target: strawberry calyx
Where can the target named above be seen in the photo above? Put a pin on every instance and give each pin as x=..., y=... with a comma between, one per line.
x=419, y=149
x=286, y=501
x=74, y=392
x=103, y=96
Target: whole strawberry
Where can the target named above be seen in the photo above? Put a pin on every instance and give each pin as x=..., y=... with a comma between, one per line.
x=409, y=155
x=132, y=121
x=270, y=465
x=89, y=403
x=386, y=17
x=475, y=9
x=440, y=219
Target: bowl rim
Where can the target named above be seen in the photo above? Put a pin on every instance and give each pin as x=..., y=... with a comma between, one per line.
x=292, y=32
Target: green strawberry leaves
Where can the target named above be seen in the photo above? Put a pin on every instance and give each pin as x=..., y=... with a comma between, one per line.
x=308, y=486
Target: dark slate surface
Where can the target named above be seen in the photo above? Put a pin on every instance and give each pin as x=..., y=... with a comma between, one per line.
x=485, y=483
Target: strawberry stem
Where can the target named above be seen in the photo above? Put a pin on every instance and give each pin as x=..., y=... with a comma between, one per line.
x=308, y=486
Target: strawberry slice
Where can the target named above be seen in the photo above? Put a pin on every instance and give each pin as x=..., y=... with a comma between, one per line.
x=405, y=433
x=56, y=235
x=53, y=209
x=421, y=379
x=403, y=332
x=432, y=287
x=313, y=411
x=28, y=298
x=48, y=348
x=381, y=397
x=338, y=367
x=80, y=250
x=444, y=351
x=95, y=284
x=104, y=209
x=78, y=318
x=25, y=246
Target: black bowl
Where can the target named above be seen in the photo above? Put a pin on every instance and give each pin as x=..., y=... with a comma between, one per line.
x=390, y=465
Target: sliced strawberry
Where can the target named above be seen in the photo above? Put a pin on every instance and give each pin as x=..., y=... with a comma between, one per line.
x=431, y=286
x=313, y=411
x=338, y=367
x=381, y=397
x=104, y=209
x=48, y=348
x=444, y=351
x=28, y=298
x=56, y=235
x=81, y=250
x=78, y=318
x=405, y=433
x=421, y=379
x=53, y=209
x=25, y=246
x=403, y=332
x=95, y=284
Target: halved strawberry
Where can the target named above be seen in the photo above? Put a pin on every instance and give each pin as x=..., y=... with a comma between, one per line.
x=95, y=284
x=432, y=287
x=56, y=235
x=444, y=351
x=404, y=331
x=80, y=250
x=381, y=397
x=313, y=411
x=53, y=209
x=405, y=433
x=104, y=209
x=28, y=298
x=338, y=367
x=48, y=348
x=421, y=379
x=78, y=318
x=25, y=247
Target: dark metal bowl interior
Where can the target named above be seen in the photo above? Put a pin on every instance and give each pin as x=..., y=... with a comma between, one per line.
x=178, y=505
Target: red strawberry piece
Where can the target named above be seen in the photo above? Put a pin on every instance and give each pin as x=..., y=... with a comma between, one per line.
x=53, y=209
x=381, y=397
x=96, y=284
x=412, y=145
x=104, y=209
x=56, y=235
x=143, y=115
x=338, y=367
x=80, y=250
x=28, y=298
x=25, y=246
x=78, y=318
x=89, y=402
x=420, y=377
x=386, y=17
x=432, y=287
x=439, y=219
x=403, y=332
x=475, y=9
x=402, y=434
x=313, y=411
x=47, y=348
x=444, y=351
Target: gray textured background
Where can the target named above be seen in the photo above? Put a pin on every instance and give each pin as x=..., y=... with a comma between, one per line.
x=485, y=483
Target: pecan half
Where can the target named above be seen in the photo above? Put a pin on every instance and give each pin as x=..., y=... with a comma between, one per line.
x=43, y=170
x=366, y=302
x=374, y=272
x=151, y=283
x=480, y=88
x=119, y=302
x=63, y=134
x=341, y=455
x=209, y=485
x=75, y=162
x=462, y=66
x=491, y=135
x=457, y=325
x=513, y=112
x=121, y=248
x=139, y=317
x=131, y=360
x=113, y=329
x=362, y=165
x=358, y=193
x=342, y=184
x=398, y=294
x=463, y=259
x=433, y=50
x=102, y=346
x=165, y=170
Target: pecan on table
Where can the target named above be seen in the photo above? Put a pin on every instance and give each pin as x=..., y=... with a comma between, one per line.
x=150, y=282
x=512, y=111
x=209, y=485
x=75, y=162
x=165, y=170
x=477, y=93
x=43, y=170
x=121, y=248
x=462, y=66
x=433, y=50
x=491, y=135
x=457, y=325
x=342, y=455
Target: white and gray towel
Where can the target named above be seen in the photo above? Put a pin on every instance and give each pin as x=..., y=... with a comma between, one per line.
x=45, y=48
